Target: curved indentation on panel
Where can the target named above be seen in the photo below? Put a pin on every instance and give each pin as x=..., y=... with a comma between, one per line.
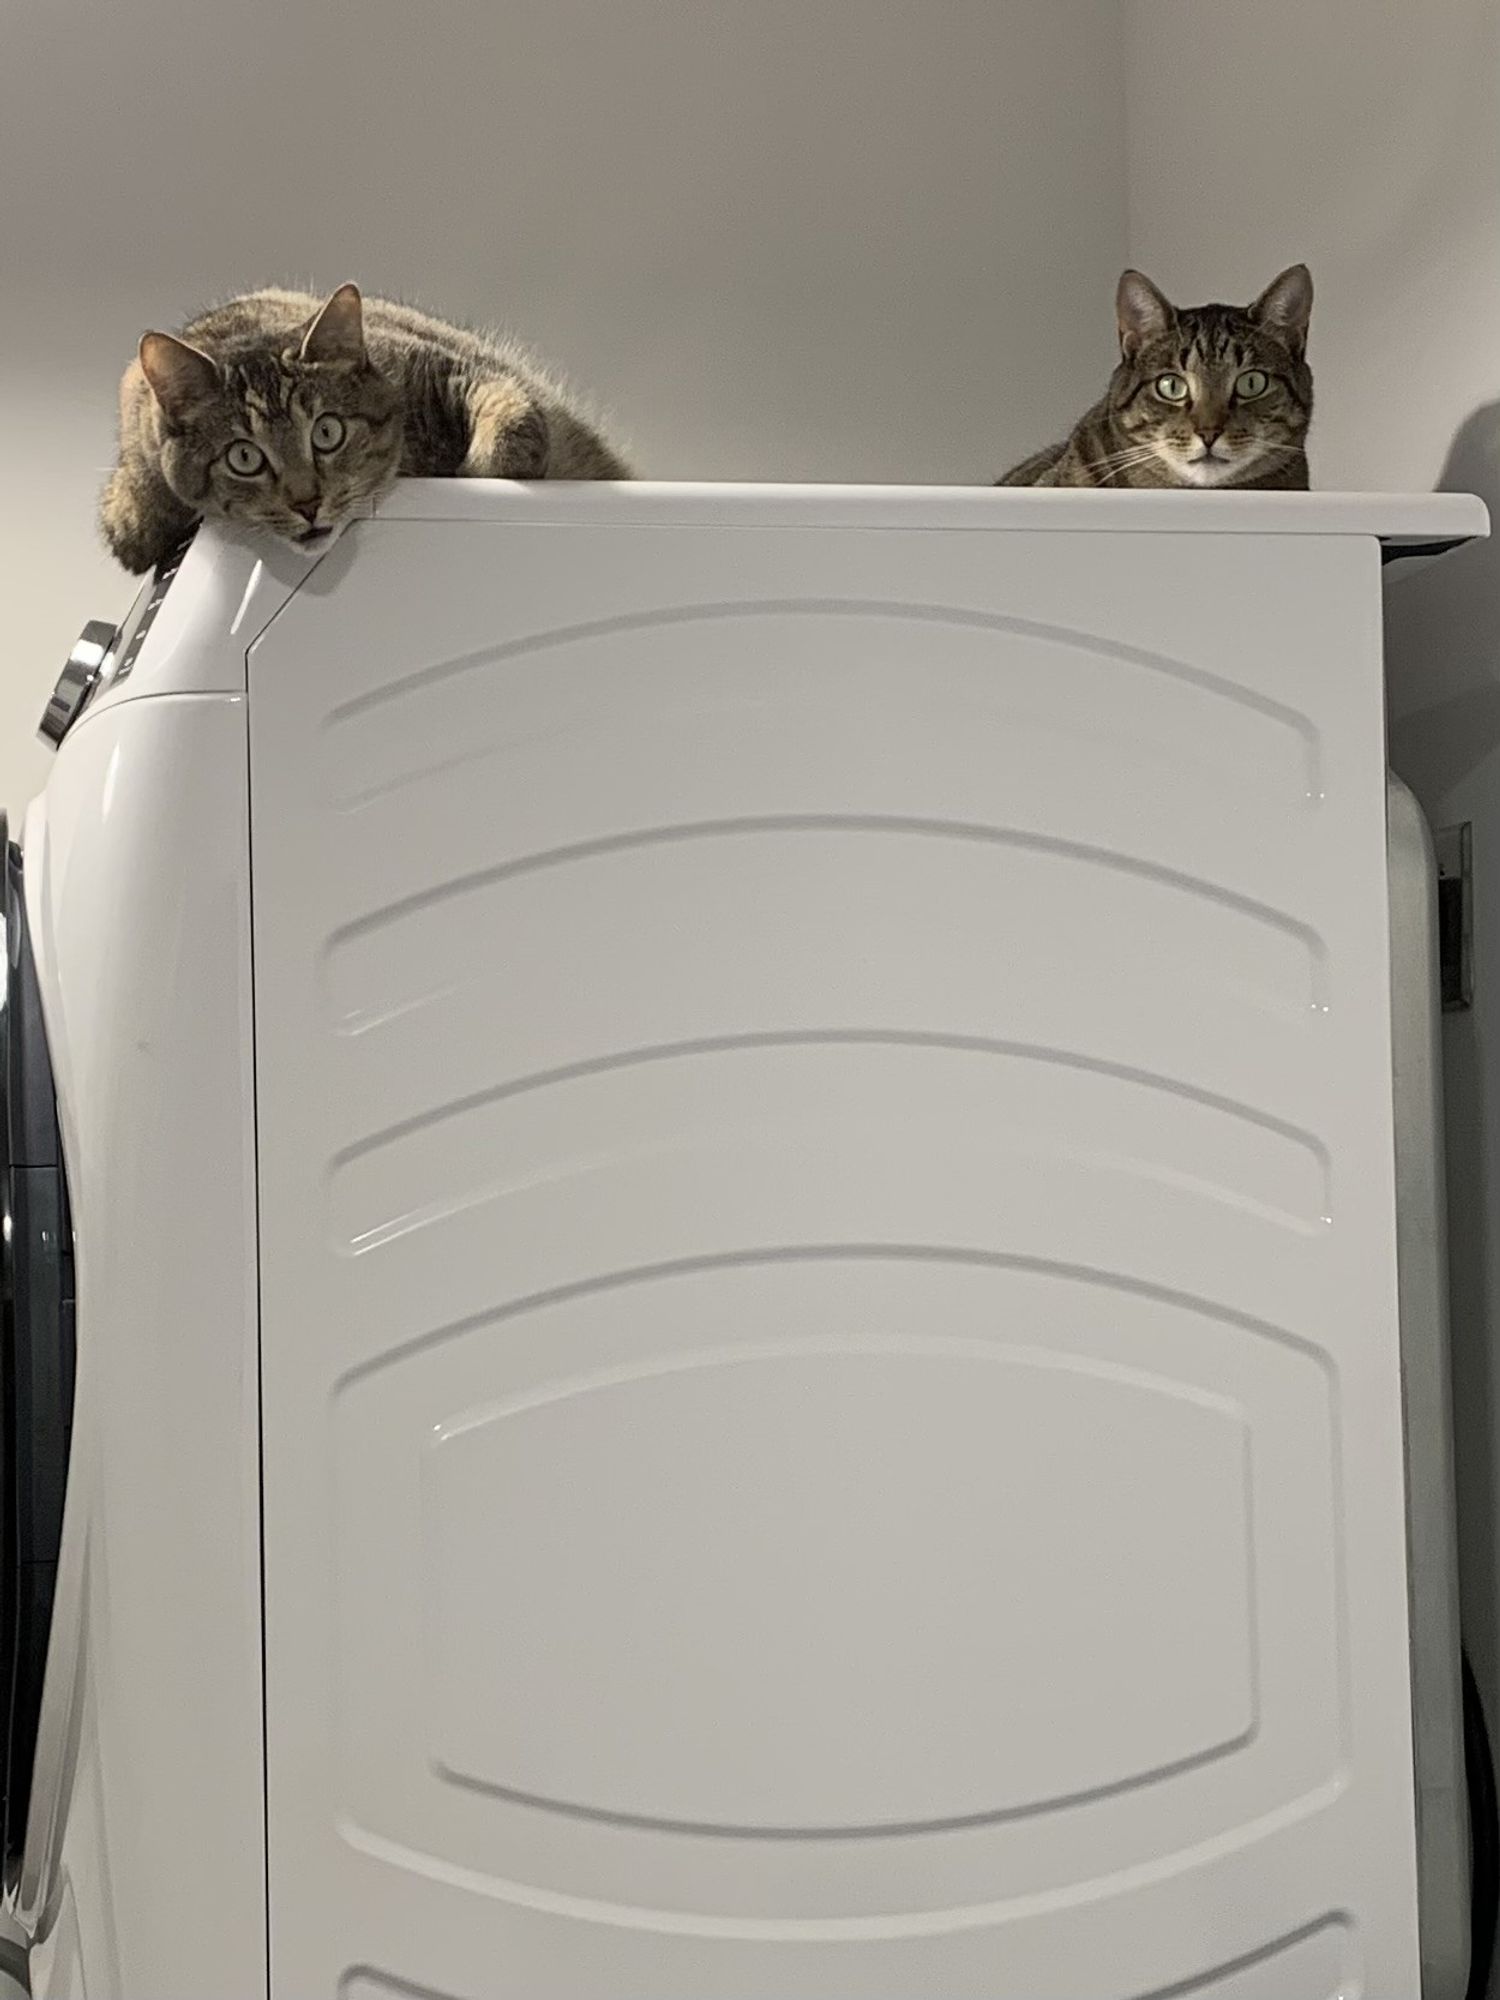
x=827, y=1835
x=1318, y=1960
x=441, y=1165
x=518, y=1086
x=794, y=1038
x=457, y=1163
x=885, y=1927
x=795, y=907
x=1313, y=1962
x=897, y=1829
x=1222, y=1722
x=1062, y=636
x=455, y=887
x=973, y=1507
x=937, y=1253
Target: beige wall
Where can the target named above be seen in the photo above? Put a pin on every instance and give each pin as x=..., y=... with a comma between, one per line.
x=816, y=239
x=1364, y=136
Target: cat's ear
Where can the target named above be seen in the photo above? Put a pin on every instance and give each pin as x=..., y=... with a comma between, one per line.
x=337, y=330
x=180, y=376
x=1286, y=304
x=1141, y=311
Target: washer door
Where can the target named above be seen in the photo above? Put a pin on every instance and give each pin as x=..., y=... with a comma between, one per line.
x=36, y=1367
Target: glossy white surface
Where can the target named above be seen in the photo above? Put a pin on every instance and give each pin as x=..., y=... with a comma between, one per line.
x=1389, y=517
x=144, y=1869
x=226, y=592
x=830, y=1342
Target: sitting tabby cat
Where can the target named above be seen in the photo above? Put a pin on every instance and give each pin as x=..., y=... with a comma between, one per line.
x=1203, y=396
x=287, y=414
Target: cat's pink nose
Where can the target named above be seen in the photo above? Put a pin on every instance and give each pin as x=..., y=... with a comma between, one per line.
x=1210, y=434
x=308, y=509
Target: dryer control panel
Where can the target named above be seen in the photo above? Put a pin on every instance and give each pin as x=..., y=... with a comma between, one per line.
x=104, y=652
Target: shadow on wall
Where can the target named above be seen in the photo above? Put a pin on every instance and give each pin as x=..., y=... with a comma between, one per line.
x=1446, y=697
x=1443, y=673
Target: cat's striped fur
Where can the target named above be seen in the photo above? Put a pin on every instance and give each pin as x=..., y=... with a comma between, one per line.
x=1215, y=435
x=267, y=380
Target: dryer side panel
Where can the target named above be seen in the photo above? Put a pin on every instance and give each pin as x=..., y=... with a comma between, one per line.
x=831, y=1371
x=1422, y=1263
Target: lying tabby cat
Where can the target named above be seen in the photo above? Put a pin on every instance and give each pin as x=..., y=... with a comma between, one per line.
x=1203, y=396
x=286, y=414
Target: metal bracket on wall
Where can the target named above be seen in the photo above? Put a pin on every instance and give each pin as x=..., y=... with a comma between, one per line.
x=1455, y=852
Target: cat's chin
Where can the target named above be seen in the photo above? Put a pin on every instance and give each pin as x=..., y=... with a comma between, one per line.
x=307, y=541
x=1209, y=471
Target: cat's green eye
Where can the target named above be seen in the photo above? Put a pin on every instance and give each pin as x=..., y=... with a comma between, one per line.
x=1172, y=388
x=329, y=432
x=1254, y=382
x=245, y=460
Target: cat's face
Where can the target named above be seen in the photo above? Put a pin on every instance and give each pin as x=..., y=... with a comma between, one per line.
x=286, y=435
x=1217, y=395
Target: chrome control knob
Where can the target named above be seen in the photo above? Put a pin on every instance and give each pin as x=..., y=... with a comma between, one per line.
x=77, y=680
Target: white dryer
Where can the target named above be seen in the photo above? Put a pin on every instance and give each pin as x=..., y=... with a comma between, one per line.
x=734, y=1190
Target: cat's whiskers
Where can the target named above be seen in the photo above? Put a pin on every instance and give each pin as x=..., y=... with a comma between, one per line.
x=1133, y=456
x=1116, y=463
x=1126, y=452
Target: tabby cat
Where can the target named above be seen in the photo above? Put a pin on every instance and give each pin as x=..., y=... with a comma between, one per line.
x=287, y=414
x=1203, y=396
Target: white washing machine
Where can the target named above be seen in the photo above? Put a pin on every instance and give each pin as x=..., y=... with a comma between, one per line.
x=735, y=1202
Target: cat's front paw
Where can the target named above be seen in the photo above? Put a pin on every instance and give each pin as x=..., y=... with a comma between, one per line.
x=138, y=537
x=131, y=550
x=508, y=434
